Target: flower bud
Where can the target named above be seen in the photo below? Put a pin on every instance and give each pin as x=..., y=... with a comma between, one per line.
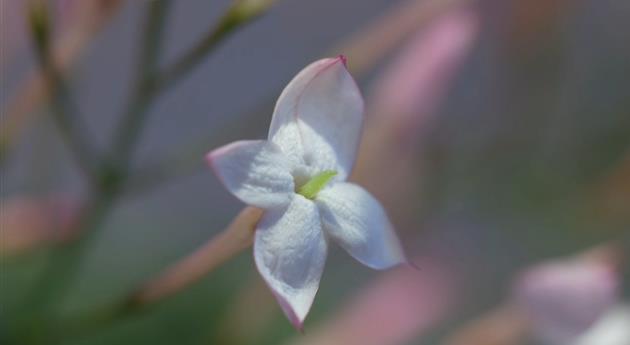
x=563, y=299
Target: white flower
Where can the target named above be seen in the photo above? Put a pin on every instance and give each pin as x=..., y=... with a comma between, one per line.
x=298, y=177
x=612, y=329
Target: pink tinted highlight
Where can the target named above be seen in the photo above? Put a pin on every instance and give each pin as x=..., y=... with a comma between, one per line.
x=564, y=299
x=415, y=84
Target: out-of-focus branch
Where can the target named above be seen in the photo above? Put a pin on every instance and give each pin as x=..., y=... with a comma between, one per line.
x=61, y=268
x=227, y=244
x=238, y=236
x=63, y=107
x=109, y=184
x=90, y=17
x=144, y=91
x=241, y=12
x=105, y=190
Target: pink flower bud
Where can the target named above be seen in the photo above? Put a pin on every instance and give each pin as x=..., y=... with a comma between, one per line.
x=563, y=299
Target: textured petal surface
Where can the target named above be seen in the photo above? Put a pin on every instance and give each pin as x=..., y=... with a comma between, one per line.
x=319, y=116
x=358, y=222
x=290, y=251
x=256, y=172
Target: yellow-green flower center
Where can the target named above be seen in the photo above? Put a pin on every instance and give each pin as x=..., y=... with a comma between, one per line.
x=310, y=189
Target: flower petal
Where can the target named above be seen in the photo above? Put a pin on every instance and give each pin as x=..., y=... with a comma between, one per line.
x=290, y=251
x=565, y=298
x=319, y=116
x=358, y=222
x=254, y=171
x=611, y=329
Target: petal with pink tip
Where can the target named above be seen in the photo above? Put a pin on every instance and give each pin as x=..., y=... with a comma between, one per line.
x=319, y=116
x=255, y=171
x=290, y=252
x=358, y=222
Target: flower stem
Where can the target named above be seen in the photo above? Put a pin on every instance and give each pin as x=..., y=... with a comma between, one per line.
x=153, y=82
x=64, y=109
x=109, y=179
x=235, y=238
x=52, y=285
x=230, y=242
x=145, y=89
x=106, y=185
x=239, y=13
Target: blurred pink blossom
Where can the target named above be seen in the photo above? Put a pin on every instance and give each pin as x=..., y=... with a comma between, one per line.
x=563, y=299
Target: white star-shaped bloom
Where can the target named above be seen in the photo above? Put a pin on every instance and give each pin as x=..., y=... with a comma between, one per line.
x=298, y=176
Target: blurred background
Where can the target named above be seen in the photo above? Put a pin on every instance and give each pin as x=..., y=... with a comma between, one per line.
x=497, y=136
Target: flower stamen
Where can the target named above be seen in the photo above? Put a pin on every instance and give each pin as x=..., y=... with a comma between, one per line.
x=310, y=189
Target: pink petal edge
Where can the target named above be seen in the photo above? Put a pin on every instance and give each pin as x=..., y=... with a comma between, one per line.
x=220, y=151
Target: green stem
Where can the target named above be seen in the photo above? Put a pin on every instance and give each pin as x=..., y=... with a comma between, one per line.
x=241, y=12
x=66, y=260
x=145, y=89
x=106, y=187
x=51, y=287
x=110, y=183
x=57, y=331
x=64, y=109
x=236, y=15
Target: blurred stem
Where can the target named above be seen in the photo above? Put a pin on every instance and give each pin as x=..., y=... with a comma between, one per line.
x=239, y=13
x=153, y=82
x=63, y=266
x=51, y=286
x=238, y=236
x=145, y=88
x=106, y=184
x=109, y=182
x=187, y=271
x=106, y=187
x=64, y=109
